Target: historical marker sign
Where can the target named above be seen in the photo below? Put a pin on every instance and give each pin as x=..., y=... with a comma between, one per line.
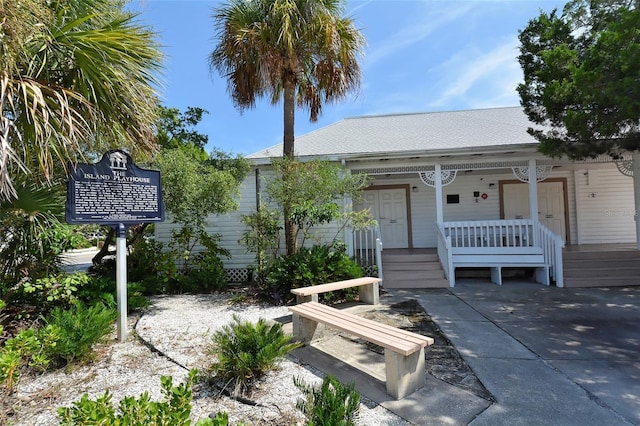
x=113, y=191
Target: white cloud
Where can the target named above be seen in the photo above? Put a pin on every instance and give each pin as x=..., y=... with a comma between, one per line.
x=494, y=74
x=423, y=26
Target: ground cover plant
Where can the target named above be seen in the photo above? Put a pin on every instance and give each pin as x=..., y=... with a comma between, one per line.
x=175, y=410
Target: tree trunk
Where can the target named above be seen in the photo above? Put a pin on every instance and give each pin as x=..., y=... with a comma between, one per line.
x=287, y=152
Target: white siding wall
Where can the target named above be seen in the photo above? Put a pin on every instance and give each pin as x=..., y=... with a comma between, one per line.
x=230, y=226
x=606, y=206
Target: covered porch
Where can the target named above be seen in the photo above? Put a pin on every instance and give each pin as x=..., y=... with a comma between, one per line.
x=529, y=239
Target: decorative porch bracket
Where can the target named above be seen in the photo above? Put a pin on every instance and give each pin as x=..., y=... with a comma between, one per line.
x=429, y=177
x=522, y=173
x=625, y=167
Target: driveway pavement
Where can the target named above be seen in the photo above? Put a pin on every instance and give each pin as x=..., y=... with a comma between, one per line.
x=548, y=355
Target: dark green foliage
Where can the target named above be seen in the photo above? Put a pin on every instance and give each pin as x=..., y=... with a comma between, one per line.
x=103, y=290
x=204, y=271
x=178, y=268
x=245, y=351
x=330, y=404
x=152, y=265
x=581, y=70
x=175, y=410
x=80, y=328
x=309, y=266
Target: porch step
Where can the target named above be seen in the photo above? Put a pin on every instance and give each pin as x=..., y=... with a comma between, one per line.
x=414, y=270
x=612, y=268
x=601, y=281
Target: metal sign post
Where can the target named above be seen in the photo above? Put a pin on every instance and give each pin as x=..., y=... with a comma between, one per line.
x=121, y=280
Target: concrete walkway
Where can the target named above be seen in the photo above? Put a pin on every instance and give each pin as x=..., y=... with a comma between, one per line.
x=547, y=355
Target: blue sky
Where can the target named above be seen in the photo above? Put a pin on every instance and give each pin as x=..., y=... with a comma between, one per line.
x=421, y=56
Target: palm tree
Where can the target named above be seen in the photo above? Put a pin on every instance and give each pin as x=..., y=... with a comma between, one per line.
x=76, y=77
x=301, y=51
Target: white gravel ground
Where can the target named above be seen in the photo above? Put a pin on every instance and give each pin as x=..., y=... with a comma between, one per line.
x=177, y=332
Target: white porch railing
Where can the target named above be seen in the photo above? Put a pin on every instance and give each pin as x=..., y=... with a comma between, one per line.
x=490, y=233
x=552, y=245
x=367, y=247
x=495, y=237
x=445, y=255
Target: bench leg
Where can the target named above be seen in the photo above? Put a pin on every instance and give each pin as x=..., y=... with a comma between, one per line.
x=496, y=275
x=303, y=299
x=370, y=293
x=405, y=374
x=306, y=330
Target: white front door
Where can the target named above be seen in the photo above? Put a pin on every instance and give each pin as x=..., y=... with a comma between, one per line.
x=551, y=212
x=389, y=208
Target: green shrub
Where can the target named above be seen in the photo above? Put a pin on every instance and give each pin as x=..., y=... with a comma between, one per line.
x=58, y=290
x=201, y=272
x=103, y=289
x=246, y=351
x=10, y=365
x=153, y=266
x=28, y=348
x=80, y=328
x=309, y=266
x=330, y=404
x=175, y=410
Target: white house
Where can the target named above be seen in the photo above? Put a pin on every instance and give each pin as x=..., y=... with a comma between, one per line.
x=458, y=193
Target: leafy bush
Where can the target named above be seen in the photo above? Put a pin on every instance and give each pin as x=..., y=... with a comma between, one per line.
x=153, y=266
x=175, y=410
x=80, y=328
x=29, y=348
x=53, y=291
x=178, y=269
x=204, y=272
x=309, y=266
x=262, y=237
x=103, y=290
x=246, y=351
x=330, y=404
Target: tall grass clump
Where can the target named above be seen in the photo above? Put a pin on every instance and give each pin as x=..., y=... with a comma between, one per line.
x=80, y=328
x=245, y=351
x=330, y=404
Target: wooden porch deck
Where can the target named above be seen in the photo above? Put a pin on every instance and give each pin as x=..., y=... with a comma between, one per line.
x=586, y=265
x=601, y=265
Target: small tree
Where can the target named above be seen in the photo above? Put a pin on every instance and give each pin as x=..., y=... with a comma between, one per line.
x=313, y=190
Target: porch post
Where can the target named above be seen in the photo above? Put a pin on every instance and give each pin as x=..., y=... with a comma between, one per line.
x=533, y=195
x=438, y=186
x=636, y=194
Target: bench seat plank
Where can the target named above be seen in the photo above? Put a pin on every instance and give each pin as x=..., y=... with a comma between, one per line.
x=338, y=285
x=395, y=339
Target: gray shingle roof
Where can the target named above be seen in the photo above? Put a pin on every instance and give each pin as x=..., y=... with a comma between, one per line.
x=454, y=131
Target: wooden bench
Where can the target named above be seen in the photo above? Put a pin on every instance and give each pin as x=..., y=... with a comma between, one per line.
x=368, y=289
x=497, y=258
x=403, y=350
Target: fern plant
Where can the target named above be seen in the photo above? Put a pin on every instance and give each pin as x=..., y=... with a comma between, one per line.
x=245, y=351
x=330, y=404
